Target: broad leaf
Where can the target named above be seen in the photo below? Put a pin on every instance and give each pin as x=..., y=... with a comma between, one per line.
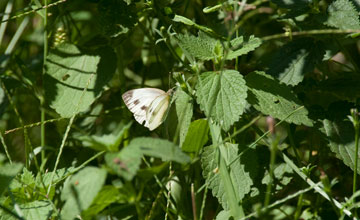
x=341, y=138
x=239, y=46
x=184, y=112
x=342, y=14
x=222, y=96
x=37, y=210
x=80, y=190
x=239, y=172
x=125, y=163
x=74, y=79
x=196, y=137
x=7, y=174
x=292, y=61
x=272, y=98
x=163, y=149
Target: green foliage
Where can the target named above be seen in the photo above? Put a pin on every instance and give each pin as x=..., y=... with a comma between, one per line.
x=222, y=95
x=342, y=14
x=272, y=98
x=263, y=120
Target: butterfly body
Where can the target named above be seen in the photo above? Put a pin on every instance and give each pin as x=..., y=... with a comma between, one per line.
x=148, y=105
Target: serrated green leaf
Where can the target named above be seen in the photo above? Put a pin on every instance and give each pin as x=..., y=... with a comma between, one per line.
x=202, y=47
x=184, y=112
x=125, y=163
x=80, y=190
x=7, y=174
x=292, y=61
x=240, y=176
x=163, y=149
x=272, y=98
x=239, y=46
x=75, y=79
x=37, y=210
x=222, y=96
x=341, y=138
x=117, y=17
x=107, y=196
x=342, y=14
x=196, y=137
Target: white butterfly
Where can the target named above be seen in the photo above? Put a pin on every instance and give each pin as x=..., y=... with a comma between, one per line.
x=148, y=104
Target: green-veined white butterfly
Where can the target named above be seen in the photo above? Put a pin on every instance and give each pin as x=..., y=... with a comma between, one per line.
x=148, y=104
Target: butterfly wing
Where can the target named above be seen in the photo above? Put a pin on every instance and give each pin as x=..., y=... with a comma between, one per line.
x=138, y=101
x=155, y=114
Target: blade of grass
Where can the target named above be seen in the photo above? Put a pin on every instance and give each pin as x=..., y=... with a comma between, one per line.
x=6, y=16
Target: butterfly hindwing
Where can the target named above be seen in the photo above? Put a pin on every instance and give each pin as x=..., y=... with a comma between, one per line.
x=139, y=101
x=155, y=114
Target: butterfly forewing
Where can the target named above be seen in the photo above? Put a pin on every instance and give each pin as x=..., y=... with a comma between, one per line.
x=138, y=101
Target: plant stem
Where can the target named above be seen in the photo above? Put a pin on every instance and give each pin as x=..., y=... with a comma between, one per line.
x=42, y=100
x=271, y=172
x=310, y=32
x=356, y=127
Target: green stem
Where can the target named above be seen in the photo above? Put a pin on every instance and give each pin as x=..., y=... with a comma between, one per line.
x=310, y=32
x=42, y=113
x=271, y=172
x=355, y=122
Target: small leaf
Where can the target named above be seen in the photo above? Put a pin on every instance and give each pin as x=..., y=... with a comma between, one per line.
x=7, y=174
x=196, y=137
x=184, y=112
x=184, y=20
x=342, y=14
x=75, y=79
x=272, y=98
x=240, y=176
x=202, y=47
x=80, y=190
x=240, y=47
x=125, y=163
x=292, y=61
x=163, y=149
x=341, y=138
x=222, y=96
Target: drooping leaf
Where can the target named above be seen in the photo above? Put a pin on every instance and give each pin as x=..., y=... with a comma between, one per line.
x=272, y=98
x=341, y=138
x=292, y=61
x=202, y=47
x=117, y=17
x=196, y=137
x=125, y=163
x=342, y=14
x=7, y=174
x=106, y=196
x=239, y=46
x=184, y=112
x=222, y=96
x=239, y=172
x=163, y=149
x=80, y=190
x=75, y=79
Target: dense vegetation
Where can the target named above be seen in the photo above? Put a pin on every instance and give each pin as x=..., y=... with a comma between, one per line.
x=262, y=121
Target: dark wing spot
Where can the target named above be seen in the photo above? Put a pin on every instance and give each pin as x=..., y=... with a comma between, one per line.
x=143, y=107
x=136, y=102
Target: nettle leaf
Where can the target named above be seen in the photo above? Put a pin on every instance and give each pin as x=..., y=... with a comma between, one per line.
x=270, y=97
x=37, y=210
x=239, y=46
x=341, y=136
x=239, y=172
x=222, y=96
x=184, y=112
x=163, y=149
x=202, y=47
x=125, y=163
x=75, y=79
x=342, y=14
x=292, y=61
x=117, y=17
x=196, y=137
x=80, y=190
x=7, y=174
